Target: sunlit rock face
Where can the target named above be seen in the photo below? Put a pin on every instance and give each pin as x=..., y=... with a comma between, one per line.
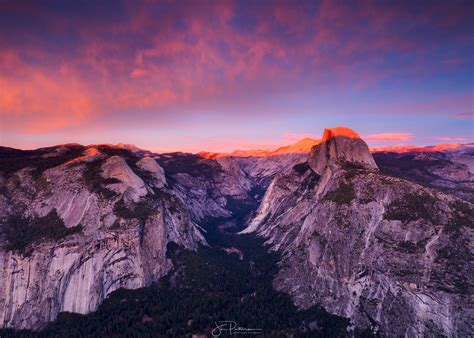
x=341, y=145
x=111, y=226
x=388, y=253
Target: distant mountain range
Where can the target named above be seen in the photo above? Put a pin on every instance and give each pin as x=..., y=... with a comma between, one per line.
x=427, y=149
x=302, y=146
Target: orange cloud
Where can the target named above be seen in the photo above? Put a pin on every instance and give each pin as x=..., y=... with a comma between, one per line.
x=35, y=101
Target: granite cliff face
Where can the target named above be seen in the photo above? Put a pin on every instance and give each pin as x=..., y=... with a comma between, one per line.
x=388, y=253
x=80, y=223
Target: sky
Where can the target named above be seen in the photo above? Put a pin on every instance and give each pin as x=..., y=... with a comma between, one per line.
x=196, y=75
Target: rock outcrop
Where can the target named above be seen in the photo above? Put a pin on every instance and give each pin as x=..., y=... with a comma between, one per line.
x=116, y=168
x=390, y=254
x=74, y=231
x=158, y=174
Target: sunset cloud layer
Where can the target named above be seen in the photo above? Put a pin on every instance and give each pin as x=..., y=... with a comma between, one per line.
x=85, y=70
x=389, y=137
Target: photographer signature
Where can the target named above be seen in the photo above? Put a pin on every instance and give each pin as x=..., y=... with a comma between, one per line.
x=232, y=328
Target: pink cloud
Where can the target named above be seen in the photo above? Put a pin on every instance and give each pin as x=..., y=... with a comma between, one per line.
x=452, y=138
x=389, y=137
